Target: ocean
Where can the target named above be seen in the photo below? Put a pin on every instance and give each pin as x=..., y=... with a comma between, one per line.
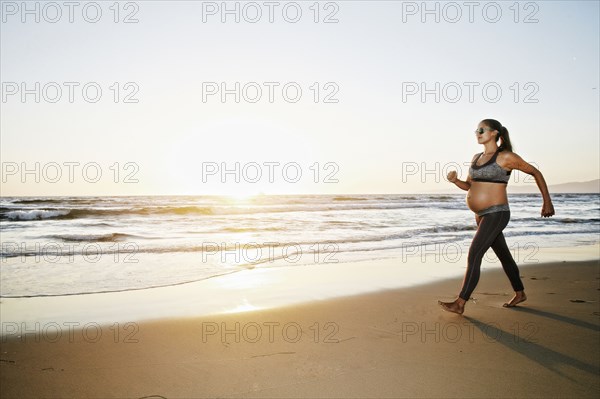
x=53, y=246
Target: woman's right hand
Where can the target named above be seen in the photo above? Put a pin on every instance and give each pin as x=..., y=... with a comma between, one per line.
x=452, y=176
x=547, y=209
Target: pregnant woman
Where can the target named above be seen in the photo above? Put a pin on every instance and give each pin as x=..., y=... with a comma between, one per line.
x=486, y=196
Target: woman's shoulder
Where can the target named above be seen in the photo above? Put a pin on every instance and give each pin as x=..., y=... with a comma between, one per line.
x=506, y=154
x=508, y=159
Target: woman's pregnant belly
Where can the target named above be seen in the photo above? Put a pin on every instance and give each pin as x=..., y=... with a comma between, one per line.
x=482, y=195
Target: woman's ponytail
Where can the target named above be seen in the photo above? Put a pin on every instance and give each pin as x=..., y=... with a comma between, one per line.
x=506, y=145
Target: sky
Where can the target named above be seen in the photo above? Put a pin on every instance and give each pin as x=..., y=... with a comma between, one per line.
x=305, y=97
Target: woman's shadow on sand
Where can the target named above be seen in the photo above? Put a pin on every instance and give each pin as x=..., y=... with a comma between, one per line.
x=530, y=348
x=557, y=317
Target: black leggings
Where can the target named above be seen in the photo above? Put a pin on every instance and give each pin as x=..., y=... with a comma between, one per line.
x=489, y=234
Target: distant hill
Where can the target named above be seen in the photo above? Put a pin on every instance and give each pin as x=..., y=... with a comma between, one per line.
x=592, y=186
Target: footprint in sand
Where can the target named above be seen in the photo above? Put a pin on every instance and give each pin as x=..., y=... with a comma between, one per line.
x=580, y=301
x=539, y=278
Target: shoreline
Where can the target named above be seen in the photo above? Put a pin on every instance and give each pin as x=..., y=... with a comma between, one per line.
x=259, y=289
x=389, y=343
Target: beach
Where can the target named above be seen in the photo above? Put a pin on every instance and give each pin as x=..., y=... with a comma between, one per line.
x=385, y=343
x=242, y=199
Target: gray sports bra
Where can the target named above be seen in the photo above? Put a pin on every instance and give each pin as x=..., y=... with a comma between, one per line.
x=490, y=171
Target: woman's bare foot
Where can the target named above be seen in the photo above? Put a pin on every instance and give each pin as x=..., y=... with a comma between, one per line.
x=458, y=306
x=518, y=298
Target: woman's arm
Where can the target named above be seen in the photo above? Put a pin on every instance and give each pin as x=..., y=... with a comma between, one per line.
x=514, y=161
x=464, y=185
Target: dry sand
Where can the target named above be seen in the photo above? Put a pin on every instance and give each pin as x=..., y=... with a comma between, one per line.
x=394, y=343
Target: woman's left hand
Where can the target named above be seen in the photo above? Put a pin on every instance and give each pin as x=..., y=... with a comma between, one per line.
x=547, y=209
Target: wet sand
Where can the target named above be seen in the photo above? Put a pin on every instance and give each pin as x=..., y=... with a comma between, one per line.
x=391, y=343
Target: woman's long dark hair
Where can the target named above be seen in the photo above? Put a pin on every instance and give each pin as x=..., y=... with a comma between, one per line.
x=502, y=133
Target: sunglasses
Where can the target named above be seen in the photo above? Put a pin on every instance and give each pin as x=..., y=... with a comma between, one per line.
x=483, y=129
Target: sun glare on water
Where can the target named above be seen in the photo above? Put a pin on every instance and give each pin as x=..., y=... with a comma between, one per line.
x=242, y=197
x=244, y=307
